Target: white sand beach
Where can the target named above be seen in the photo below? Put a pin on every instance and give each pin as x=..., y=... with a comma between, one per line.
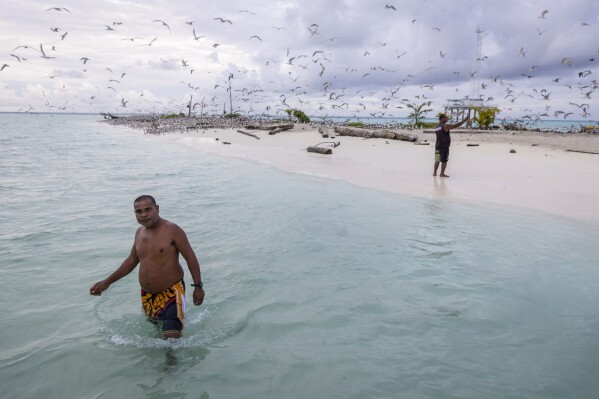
x=541, y=175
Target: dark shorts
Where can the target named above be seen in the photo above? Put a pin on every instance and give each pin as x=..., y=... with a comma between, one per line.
x=442, y=154
x=167, y=308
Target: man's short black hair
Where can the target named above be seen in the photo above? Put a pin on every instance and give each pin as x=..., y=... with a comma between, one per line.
x=441, y=116
x=143, y=198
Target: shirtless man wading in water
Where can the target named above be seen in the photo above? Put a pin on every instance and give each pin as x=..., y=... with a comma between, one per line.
x=156, y=248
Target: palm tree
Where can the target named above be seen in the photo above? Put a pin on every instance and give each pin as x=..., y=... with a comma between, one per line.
x=418, y=111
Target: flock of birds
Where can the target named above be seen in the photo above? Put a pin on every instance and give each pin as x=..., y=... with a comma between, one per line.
x=316, y=81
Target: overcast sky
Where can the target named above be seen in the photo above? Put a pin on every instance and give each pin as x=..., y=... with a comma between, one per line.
x=325, y=57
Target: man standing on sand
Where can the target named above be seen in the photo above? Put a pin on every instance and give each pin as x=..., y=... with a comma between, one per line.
x=156, y=248
x=443, y=142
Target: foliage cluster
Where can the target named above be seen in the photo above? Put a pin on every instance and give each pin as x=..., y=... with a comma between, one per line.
x=299, y=115
x=486, y=116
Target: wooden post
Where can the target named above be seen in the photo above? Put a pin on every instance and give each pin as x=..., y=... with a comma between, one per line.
x=189, y=106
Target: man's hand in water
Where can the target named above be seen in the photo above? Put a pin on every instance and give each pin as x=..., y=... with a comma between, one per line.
x=98, y=288
x=198, y=296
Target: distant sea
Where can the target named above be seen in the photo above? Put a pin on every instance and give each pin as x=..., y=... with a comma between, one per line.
x=314, y=288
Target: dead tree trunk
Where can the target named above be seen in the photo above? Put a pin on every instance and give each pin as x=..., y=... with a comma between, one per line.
x=320, y=150
x=248, y=134
x=375, y=134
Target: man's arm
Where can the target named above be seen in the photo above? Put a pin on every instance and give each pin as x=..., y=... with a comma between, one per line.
x=449, y=127
x=183, y=246
x=124, y=269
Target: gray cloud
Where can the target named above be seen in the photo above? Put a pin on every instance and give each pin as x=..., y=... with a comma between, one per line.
x=372, y=55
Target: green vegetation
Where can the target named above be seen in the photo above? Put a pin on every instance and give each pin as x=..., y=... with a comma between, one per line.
x=356, y=124
x=233, y=115
x=486, y=116
x=299, y=115
x=418, y=112
x=426, y=125
x=169, y=116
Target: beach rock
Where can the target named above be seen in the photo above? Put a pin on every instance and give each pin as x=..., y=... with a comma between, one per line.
x=512, y=151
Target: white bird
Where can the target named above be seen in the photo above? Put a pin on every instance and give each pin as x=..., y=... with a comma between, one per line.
x=196, y=37
x=58, y=9
x=43, y=53
x=164, y=24
x=223, y=20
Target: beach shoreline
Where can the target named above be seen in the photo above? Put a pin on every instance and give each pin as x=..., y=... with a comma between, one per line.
x=541, y=175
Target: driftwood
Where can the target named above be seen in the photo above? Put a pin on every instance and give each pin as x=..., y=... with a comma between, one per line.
x=248, y=134
x=584, y=152
x=472, y=145
x=375, y=134
x=283, y=127
x=335, y=145
x=422, y=143
x=320, y=150
x=275, y=131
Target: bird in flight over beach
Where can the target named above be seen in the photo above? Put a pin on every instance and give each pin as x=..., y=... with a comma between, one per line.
x=149, y=44
x=255, y=37
x=223, y=20
x=58, y=9
x=43, y=53
x=163, y=23
x=196, y=37
x=4, y=66
x=84, y=59
x=390, y=7
x=543, y=13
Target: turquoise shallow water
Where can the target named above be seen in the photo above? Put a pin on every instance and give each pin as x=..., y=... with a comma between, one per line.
x=315, y=288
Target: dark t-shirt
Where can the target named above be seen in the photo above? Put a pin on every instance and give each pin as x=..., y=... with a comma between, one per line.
x=443, y=137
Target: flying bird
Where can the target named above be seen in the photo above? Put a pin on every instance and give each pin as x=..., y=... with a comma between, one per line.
x=84, y=59
x=163, y=23
x=4, y=66
x=522, y=52
x=18, y=58
x=196, y=37
x=387, y=6
x=543, y=13
x=223, y=20
x=255, y=37
x=58, y=9
x=43, y=53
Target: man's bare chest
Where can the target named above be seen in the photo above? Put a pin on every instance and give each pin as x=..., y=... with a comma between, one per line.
x=155, y=247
